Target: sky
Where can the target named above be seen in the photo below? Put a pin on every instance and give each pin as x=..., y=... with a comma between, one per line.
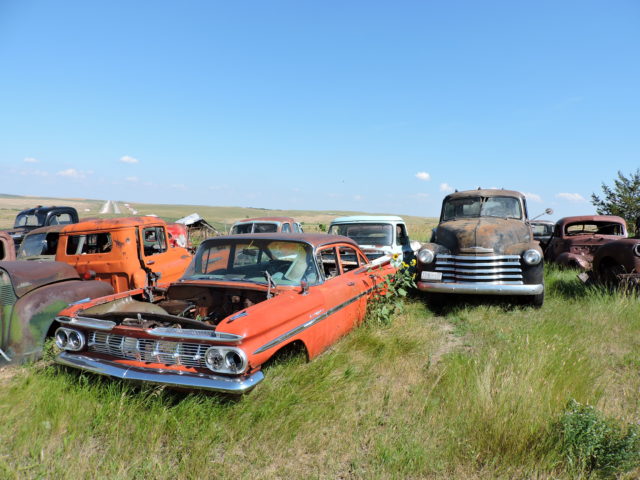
x=361, y=105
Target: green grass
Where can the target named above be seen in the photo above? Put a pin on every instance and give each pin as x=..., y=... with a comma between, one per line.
x=476, y=391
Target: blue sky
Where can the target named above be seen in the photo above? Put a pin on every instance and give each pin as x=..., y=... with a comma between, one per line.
x=371, y=106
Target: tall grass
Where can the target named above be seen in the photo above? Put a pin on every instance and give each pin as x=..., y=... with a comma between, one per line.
x=472, y=392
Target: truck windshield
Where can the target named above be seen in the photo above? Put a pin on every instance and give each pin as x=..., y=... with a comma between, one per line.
x=29, y=220
x=38, y=244
x=365, y=233
x=473, y=207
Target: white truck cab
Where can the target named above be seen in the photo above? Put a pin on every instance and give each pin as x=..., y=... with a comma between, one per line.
x=377, y=235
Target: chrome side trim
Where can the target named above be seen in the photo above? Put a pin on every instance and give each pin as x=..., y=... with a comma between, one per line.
x=169, y=378
x=481, y=288
x=193, y=334
x=310, y=323
x=86, y=322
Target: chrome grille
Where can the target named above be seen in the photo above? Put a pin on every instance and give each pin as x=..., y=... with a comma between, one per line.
x=496, y=269
x=147, y=350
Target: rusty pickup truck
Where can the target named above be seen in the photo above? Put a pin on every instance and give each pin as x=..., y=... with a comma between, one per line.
x=128, y=253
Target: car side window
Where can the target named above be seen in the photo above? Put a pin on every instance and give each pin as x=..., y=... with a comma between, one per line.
x=154, y=241
x=60, y=219
x=327, y=262
x=286, y=228
x=297, y=228
x=89, y=244
x=401, y=235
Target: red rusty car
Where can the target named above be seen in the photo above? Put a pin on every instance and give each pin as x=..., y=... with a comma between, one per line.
x=617, y=261
x=575, y=239
x=242, y=300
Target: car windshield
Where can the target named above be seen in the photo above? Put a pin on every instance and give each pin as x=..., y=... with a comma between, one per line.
x=365, y=233
x=254, y=228
x=38, y=244
x=595, y=228
x=255, y=261
x=29, y=220
x=473, y=207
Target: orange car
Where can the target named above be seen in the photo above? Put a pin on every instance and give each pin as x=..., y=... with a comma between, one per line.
x=128, y=253
x=243, y=299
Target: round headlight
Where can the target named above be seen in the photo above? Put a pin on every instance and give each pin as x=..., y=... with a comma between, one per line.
x=61, y=338
x=213, y=359
x=234, y=361
x=425, y=255
x=75, y=340
x=531, y=257
x=636, y=249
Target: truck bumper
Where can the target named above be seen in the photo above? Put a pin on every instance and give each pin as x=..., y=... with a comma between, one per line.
x=480, y=288
x=169, y=378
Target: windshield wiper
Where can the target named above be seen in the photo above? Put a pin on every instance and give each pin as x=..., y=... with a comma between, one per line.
x=270, y=283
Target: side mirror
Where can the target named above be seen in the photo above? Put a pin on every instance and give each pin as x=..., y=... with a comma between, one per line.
x=549, y=211
x=305, y=287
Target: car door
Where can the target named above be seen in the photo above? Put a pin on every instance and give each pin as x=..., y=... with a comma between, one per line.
x=157, y=256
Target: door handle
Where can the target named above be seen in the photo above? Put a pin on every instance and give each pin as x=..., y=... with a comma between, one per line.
x=151, y=262
x=351, y=284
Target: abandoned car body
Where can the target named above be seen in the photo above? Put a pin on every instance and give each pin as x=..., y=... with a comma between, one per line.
x=31, y=295
x=617, y=262
x=483, y=245
x=242, y=300
x=377, y=235
x=266, y=225
x=128, y=252
x=576, y=239
x=40, y=216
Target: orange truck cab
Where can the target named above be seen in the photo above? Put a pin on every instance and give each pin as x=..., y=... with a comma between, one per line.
x=128, y=253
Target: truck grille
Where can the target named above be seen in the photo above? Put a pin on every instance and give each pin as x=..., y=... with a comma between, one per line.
x=496, y=269
x=147, y=350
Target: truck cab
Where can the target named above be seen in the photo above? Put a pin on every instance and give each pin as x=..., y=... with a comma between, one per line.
x=377, y=235
x=128, y=253
x=40, y=216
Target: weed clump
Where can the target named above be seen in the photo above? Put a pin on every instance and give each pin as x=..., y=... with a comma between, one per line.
x=593, y=444
x=389, y=296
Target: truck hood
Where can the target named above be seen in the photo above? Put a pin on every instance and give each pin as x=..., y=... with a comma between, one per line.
x=482, y=235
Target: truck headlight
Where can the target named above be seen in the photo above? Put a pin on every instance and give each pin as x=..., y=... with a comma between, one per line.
x=225, y=360
x=531, y=257
x=636, y=249
x=425, y=255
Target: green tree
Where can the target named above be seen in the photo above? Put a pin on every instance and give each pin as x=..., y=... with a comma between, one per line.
x=622, y=199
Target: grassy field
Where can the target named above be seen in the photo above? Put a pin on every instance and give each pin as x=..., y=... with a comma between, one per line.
x=220, y=217
x=474, y=390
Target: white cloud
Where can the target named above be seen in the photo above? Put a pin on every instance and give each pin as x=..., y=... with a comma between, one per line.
x=445, y=187
x=71, y=173
x=30, y=160
x=572, y=197
x=131, y=179
x=423, y=176
x=534, y=197
x=128, y=159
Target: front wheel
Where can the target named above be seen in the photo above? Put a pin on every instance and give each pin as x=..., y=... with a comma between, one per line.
x=536, y=301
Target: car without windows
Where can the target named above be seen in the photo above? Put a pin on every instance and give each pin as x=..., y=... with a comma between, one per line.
x=576, y=239
x=243, y=300
x=266, y=225
x=483, y=245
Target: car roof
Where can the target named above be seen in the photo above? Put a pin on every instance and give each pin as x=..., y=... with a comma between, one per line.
x=486, y=192
x=314, y=239
x=44, y=209
x=591, y=218
x=112, y=224
x=266, y=219
x=367, y=219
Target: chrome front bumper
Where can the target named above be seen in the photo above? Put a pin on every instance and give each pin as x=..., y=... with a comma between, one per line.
x=480, y=288
x=169, y=378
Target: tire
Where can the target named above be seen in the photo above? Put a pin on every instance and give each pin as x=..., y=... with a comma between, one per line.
x=536, y=301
